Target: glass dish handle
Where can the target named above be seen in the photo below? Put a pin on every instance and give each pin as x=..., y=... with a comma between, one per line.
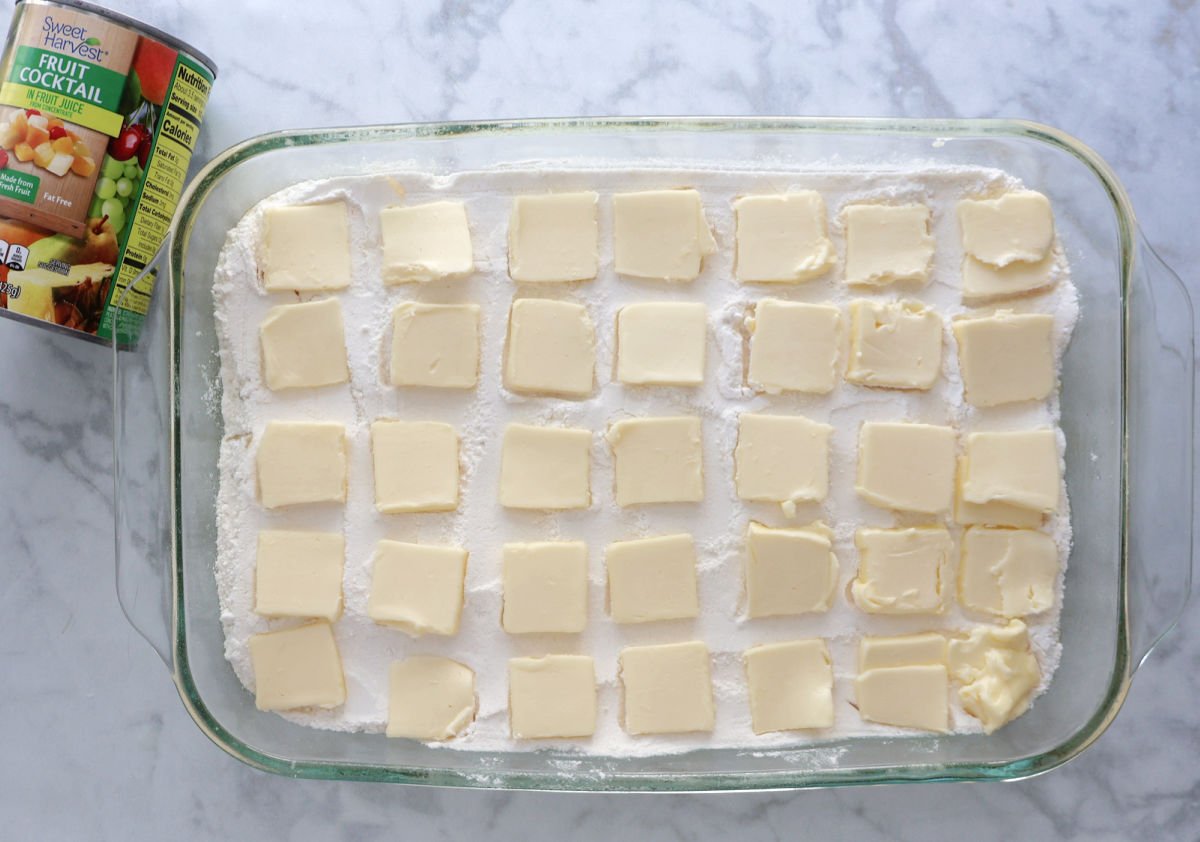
x=141, y=458
x=1160, y=391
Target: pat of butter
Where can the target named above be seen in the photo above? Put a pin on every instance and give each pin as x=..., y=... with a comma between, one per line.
x=426, y=242
x=553, y=237
x=789, y=571
x=910, y=696
x=297, y=668
x=299, y=574
x=658, y=460
x=430, y=698
x=545, y=468
x=652, y=579
x=887, y=243
x=990, y=514
x=550, y=349
x=997, y=672
x=782, y=238
x=552, y=696
x=1015, y=227
x=791, y=685
x=1017, y=468
x=983, y=282
x=417, y=588
x=304, y=345
x=301, y=462
x=895, y=345
x=781, y=459
x=435, y=345
x=545, y=587
x=416, y=466
x=661, y=343
x=1006, y=357
x=901, y=650
x=1007, y=572
x=305, y=248
x=906, y=467
x=667, y=688
x=902, y=571
x=793, y=347
x=660, y=235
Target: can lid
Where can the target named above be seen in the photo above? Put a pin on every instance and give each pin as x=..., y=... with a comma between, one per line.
x=132, y=23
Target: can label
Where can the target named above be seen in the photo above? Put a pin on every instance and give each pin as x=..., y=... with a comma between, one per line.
x=98, y=123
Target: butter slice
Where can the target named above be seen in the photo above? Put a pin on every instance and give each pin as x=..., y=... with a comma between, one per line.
x=658, y=460
x=430, y=698
x=304, y=345
x=551, y=348
x=545, y=468
x=661, y=343
x=997, y=672
x=895, y=345
x=652, y=579
x=1016, y=468
x=297, y=668
x=1006, y=357
x=1015, y=227
x=660, y=235
x=887, y=243
x=545, y=587
x=301, y=462
x=982, y=282
x=791, y=685
x=299, y=574
x=789, y=571
x=781, y=459
x=906, y=467
x=426, y=242
x=417, y=588
x=552, y=696
x=416, y=466
x=902, y=571
x=305, y=248
x=668, y=688
x=793, y=347
x=901, y=650
x=1007, y=572
x=990, y=514
x=435, y=345
x=903, y=681
x=553, y=237
x=782, y=238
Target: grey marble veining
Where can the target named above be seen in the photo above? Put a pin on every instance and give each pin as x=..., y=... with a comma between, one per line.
x=94, y=743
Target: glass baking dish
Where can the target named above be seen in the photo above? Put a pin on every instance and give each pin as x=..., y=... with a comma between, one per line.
x=1127, y=413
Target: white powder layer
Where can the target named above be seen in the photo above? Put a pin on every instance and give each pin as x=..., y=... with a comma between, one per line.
x=482, y=526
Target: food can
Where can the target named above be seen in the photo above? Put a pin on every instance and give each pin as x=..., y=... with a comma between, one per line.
x=99, y=116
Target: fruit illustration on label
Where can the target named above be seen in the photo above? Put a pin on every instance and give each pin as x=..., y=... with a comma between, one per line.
x=47, y=142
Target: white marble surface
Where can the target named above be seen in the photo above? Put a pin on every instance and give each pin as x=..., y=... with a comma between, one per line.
x=94, y=743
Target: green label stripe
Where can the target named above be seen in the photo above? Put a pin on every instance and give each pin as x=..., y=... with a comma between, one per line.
x=71, y=77
x=56, y=105
x=18, y=185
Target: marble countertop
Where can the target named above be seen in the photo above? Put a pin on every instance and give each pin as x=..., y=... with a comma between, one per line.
x=96, y=744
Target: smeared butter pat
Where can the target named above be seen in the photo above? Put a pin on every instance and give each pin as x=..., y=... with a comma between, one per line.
x=793, y=347
x=299, y=574
x=297, y=668
x=304, y=345
x=1015, y=227
x=417, y=588
x=789, y=571
x=305, y=247
x=545, y=468
x=652, y=579
x=906, y=467
x=550, y=349
x=435, y=345
x=791, y=685
x=426, y=242
x=902, y=571
x=545, y=587
x=416, y=466
x=887, y=243
x=661, y=343
x=901, y=650
x=1015, y=468
x=552, y=696
x=895, y=345
x=1006, y=357
x=1007, y=572
x=553, y=237
x=658, y=460
x=781, y=459
x=983, y=282
x=660, y=235
x=997, y=672
x=903, y=681
x=667, y=688
x=430, y=698
x=301, y=462
x=782, y=238
x=990, y=514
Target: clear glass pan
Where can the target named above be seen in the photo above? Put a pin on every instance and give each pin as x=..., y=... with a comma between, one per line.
x=1127, y=412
